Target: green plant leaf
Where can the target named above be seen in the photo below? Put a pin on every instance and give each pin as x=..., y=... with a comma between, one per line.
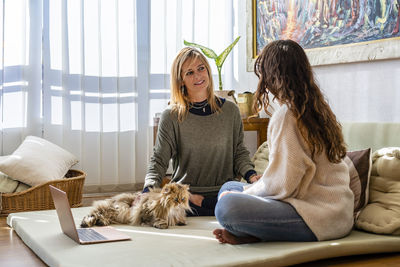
x=206, y=51
x=221, y=58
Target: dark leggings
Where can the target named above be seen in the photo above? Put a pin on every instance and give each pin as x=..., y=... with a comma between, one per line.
x=206, y=209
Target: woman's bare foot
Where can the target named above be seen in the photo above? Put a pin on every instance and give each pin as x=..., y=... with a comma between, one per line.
x=223, y=236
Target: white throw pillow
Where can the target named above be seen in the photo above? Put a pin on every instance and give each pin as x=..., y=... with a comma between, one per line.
x=37, y=161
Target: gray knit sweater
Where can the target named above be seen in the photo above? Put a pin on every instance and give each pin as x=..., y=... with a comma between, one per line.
x=207, y=151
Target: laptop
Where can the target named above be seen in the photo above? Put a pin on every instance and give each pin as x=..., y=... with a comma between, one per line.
x=81, y=235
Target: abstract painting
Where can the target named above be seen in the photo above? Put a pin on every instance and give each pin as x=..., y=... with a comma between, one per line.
x=329, y=24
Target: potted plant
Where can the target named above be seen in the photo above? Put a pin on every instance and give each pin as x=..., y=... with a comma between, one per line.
x=219, y=61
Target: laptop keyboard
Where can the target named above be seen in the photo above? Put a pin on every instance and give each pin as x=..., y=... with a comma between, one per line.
x=87, y=234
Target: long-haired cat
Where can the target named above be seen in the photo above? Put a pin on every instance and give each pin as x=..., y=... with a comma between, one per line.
x=160, y=208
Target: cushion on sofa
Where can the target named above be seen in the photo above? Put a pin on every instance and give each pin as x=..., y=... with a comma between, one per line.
x=261, y=158
x=386, y=162
x=37, y=161
x=359, y=164
x=382, y=214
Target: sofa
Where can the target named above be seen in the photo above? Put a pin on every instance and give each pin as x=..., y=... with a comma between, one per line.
x=374, y=174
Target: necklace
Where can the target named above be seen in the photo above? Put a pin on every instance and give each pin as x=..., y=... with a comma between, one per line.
x=200, y=105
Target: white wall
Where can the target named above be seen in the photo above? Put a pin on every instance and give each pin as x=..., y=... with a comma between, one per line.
x=361, y=91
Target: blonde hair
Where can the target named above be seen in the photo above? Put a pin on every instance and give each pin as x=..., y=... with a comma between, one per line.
x=180, y=101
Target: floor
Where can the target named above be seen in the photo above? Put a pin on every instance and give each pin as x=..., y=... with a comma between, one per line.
x=15, y=253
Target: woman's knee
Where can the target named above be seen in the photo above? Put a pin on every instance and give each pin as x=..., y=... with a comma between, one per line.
x=231, y=186
x=228, y=208
x=226, y=186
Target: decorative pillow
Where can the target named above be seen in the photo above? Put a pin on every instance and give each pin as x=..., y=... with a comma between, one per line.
x=359, y=163
x=386, y=162
x=37, y=161
x=261, y=158
x=21, y=187
x=7, y=185
x=382, y=214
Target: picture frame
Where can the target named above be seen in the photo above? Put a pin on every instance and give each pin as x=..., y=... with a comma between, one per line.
x=388, y=48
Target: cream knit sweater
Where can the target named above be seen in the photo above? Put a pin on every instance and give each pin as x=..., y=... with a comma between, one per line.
x=318, y=189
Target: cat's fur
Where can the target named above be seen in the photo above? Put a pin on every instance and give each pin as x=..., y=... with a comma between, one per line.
x=160, y=208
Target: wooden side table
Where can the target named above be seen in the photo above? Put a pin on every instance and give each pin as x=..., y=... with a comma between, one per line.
x=257, y=124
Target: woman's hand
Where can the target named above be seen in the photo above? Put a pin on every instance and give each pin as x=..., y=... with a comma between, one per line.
x=255, y=178
x=196, y=199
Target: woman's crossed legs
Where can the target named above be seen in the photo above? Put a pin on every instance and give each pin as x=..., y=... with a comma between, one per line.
x=248, y=219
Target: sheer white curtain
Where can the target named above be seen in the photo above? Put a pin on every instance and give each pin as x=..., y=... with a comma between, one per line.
x=90, y=75
x=89, y=70
x=20, y=82
x=68, y=75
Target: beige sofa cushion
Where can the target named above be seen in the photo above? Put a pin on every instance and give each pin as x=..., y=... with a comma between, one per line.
x=382, y=214
x=387, y=162
x=261, y=158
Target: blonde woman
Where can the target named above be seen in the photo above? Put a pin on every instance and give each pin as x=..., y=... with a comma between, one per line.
x=201, y=133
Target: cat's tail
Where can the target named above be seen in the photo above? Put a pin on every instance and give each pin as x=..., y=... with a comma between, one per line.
x=129, y=199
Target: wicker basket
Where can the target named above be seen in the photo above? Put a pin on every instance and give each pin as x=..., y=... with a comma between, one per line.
x=39, y=198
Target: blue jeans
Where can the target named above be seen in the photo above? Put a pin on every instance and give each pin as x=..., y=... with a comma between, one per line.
x=267, y=219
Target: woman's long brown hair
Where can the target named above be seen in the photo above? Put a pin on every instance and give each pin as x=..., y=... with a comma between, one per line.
x=284, y=71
